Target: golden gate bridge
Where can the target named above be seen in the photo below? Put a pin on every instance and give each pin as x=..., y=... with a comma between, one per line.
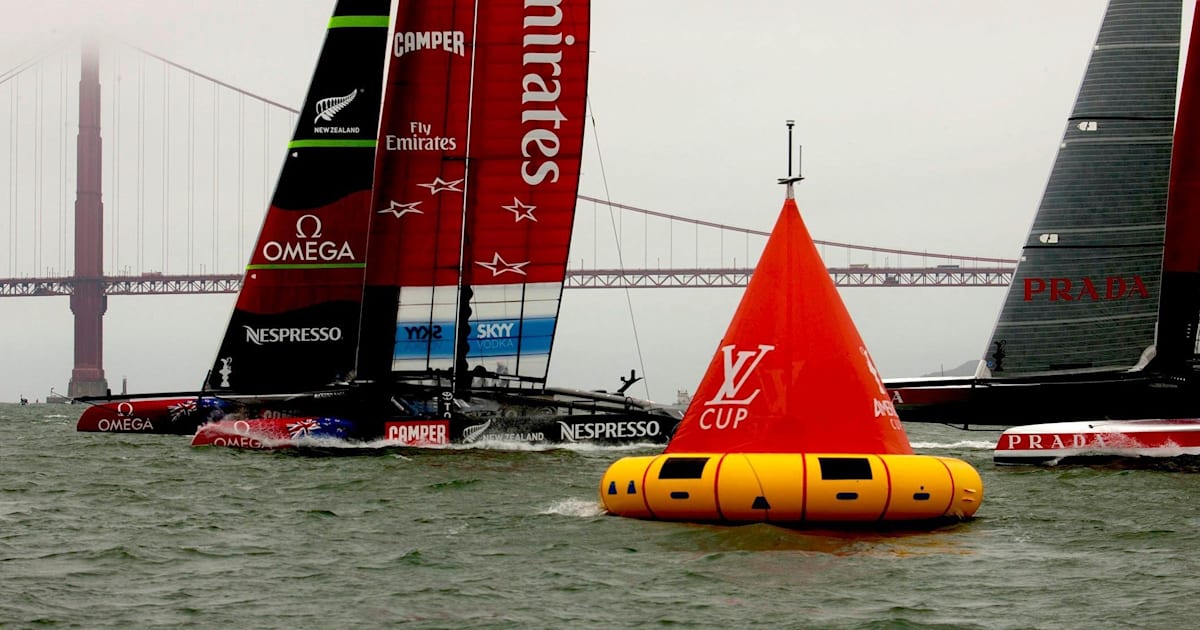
x=163, y=187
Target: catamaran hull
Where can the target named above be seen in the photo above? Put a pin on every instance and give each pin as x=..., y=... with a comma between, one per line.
x=176, y=415
x=281, y=421
x=290, y=432
x=1012, y=402
x=791, y=488
x=1103, y=441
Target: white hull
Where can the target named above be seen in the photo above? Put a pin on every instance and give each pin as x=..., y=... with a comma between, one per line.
x=1060, y=442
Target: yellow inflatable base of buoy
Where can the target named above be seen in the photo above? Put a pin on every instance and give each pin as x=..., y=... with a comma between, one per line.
x=791, y=488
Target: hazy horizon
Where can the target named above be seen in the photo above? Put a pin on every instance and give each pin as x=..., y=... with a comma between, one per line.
x=927, y=125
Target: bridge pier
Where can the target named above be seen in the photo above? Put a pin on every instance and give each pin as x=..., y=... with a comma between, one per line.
x=88, y=301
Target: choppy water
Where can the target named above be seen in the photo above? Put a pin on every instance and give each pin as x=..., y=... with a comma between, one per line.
x=144, y=531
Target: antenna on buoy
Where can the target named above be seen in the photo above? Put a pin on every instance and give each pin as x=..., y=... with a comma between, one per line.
x=790, y=179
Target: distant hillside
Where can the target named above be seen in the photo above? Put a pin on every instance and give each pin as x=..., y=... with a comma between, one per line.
x=966, y=369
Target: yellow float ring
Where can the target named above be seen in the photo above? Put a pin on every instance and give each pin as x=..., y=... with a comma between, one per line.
x=791, y=488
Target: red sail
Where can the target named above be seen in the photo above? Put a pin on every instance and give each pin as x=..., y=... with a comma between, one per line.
x=476, y=176
x=792, y=373
x=1180, y=299
x=1183, y=194
x=415, y=234
x=526, y=139
x=526, y=146
x=416, y=223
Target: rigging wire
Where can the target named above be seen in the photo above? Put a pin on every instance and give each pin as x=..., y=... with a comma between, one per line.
x=216, y=177
x=166, y=162
x=39, y=152
x=241, y=173
x=62, y=168
x=14, y=182
x=141, y=163
x=191, y=171
x=115, y=234
x=637, y=344
x=268, y=192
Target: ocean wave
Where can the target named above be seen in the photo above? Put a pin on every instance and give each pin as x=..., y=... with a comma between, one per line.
x=582, y=508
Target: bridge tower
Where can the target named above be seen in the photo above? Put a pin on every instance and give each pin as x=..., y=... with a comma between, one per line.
x=88, y=301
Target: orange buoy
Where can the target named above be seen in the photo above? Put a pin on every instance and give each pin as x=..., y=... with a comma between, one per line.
x=791, y=422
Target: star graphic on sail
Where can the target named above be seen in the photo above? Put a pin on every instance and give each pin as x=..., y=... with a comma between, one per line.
x=499, y=265
x=440, y=185
x=521, y=211
x=401, y=209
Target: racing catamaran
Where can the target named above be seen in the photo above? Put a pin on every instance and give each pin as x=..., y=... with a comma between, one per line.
x=1100, y=319
x=1094, y=356
x=406, y=282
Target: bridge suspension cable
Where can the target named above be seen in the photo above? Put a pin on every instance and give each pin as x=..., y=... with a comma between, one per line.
x=192, y=145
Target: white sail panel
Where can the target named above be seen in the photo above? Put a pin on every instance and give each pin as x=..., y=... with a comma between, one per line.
x=512, y=328
x=425, y=329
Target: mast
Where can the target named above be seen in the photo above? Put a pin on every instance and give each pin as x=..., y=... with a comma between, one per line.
x=460, y=379
x=790, y=181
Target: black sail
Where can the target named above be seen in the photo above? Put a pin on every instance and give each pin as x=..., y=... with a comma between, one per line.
x=295, y=323
x=1084, y=297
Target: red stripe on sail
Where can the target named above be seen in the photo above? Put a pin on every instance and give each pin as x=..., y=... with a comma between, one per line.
x=792, y=373
x=307, y=257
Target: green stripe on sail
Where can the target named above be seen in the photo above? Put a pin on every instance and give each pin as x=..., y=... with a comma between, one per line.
x=358, y=21
x=305, y=144
x=307, y=266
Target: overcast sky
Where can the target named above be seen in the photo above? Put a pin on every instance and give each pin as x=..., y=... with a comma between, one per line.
x=926, y=125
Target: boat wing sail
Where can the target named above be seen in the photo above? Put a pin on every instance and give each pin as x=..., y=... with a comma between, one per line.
x=295, y=322
x=1179, y=305
x=410, y=301
x=792, y=374
x=477, y=173
x=526, y=145
x=1084, y=297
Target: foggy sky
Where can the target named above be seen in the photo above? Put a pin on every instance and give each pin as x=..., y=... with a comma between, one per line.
x=926, y=125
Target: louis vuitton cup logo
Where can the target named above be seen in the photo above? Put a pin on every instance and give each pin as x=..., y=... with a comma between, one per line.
x=738, y=366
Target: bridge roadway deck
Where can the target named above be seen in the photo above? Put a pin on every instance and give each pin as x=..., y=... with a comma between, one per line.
x=576, y=279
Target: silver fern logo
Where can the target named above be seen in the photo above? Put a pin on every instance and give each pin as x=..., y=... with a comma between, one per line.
x=327, y=108
x=472, y=433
